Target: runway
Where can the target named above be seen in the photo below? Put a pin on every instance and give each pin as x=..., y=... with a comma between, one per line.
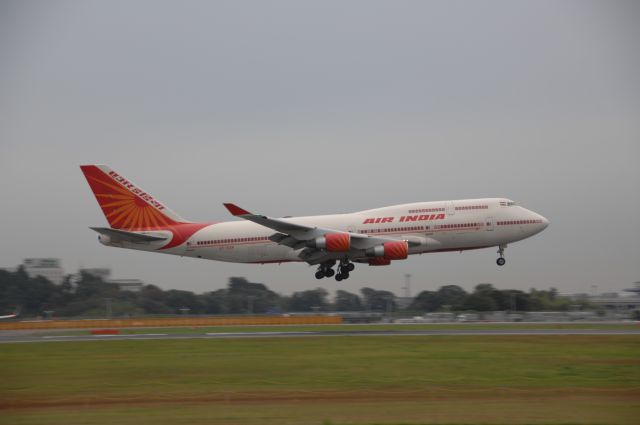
x=20, y=337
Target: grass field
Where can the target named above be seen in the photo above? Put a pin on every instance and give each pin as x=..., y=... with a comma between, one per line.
x=344, y=380
x=362, y=328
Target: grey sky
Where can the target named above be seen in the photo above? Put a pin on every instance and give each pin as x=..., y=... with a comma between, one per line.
x=301, y=108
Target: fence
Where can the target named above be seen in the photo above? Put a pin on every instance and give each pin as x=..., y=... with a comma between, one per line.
x=171, y=322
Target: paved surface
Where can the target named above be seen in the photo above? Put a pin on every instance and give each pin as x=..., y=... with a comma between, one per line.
x=15, y=337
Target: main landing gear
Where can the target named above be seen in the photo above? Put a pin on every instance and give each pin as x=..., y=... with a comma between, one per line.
x=343, y=270
x=325, y=270
x=501, y=261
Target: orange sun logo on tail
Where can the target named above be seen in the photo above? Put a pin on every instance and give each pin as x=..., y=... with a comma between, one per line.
x=127, y=207
x=124, y=205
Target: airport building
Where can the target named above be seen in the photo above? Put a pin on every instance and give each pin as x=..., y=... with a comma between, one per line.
x=133, y=285
x=611, y=304
x=49, y=268
x=615, y=303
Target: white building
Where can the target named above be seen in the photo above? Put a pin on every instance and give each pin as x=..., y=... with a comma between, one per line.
x=49, y=268
x=133, y=285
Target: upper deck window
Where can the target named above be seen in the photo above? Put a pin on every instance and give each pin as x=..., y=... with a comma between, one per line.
x=472, y=207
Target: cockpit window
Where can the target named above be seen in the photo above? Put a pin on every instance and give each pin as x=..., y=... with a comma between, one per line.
x=507, y=203
x=510, y=203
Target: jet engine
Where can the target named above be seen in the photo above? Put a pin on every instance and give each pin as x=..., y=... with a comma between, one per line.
x=397, y=250
x=332, y=242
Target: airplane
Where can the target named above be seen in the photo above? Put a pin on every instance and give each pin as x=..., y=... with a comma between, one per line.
x=12, y=315
x=376, y=237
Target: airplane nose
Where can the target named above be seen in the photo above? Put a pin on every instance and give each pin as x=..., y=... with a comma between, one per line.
x=545, y=222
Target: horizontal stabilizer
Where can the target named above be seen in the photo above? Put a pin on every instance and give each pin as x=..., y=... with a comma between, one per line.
x=123, y=235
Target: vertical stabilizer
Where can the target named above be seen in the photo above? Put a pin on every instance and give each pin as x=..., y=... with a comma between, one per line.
x=124, y=204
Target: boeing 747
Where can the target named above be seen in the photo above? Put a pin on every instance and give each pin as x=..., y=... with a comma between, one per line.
x=376, y=237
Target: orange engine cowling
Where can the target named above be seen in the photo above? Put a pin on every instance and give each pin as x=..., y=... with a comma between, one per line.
x=396, y=250
x=332, y=242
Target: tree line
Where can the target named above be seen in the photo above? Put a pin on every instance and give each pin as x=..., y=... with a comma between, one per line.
x=90, y=296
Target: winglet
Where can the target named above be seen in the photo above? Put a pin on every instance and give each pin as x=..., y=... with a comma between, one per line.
x=236, y=210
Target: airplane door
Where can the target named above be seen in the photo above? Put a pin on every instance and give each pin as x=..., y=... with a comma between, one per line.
x=450, y=209
x=488, y=221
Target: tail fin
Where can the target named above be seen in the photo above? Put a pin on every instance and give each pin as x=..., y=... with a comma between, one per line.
x=124, y=204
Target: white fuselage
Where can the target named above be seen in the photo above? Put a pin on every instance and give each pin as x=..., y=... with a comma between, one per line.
x=428, y=226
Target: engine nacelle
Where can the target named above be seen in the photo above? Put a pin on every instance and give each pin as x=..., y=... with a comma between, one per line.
x=397, y=250
x=332, y=242
x=379, y=261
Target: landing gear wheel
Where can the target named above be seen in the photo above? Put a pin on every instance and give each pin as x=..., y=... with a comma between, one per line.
x=325, y=269
x=350, y=267
x=500, y=261
x=345, y=275
x=339, y=277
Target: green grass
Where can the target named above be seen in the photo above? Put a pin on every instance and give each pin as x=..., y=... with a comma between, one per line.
x=364, y=327
x=344, y=380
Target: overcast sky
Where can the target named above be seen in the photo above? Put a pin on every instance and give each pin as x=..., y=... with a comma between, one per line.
x=304, y=108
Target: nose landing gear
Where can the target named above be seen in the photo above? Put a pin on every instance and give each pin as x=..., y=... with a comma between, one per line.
x=501, y=261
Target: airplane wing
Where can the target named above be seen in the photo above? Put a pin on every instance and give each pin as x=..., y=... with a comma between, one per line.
x=122, y=235
x=297, y=236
